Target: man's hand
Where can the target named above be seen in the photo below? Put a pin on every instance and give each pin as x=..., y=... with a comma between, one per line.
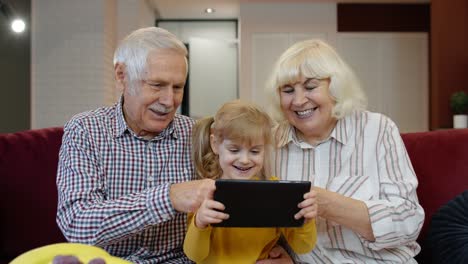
x=277, y=255
x=187, y=196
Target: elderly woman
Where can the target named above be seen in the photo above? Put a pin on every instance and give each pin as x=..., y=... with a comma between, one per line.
x=365, y=183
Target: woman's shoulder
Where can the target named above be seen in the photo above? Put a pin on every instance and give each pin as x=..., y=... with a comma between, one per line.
x=373, y=118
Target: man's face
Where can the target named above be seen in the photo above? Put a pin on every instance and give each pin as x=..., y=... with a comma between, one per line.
x=153, y=104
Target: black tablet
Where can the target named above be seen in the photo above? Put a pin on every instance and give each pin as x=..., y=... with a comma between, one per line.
x=252, y=203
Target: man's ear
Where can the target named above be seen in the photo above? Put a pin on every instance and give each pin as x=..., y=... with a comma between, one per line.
x=214, y=144
x=120, y=76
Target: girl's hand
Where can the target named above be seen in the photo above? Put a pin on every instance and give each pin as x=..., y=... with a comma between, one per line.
x=309, y=207
x=209, y=213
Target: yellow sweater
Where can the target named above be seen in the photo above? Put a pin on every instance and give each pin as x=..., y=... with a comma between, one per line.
x=243, y=245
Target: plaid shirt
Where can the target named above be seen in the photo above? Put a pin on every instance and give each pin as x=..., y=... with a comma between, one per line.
x=113, y=186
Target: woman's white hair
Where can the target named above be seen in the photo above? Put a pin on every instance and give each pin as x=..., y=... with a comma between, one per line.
x=316, y=59
x=133, y=50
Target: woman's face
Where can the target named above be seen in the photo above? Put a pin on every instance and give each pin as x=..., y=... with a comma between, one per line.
x=307, y=105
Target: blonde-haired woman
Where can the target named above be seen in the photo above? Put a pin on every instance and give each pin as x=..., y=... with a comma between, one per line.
x=366, y=187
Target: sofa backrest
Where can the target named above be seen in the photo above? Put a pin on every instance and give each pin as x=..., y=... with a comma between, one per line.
x=440, y=160
x=28, y=167
x=28, y=199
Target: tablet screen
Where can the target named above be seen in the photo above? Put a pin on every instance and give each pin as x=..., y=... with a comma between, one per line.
x=252, y=203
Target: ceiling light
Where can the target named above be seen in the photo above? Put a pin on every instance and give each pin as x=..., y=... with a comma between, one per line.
x=18, y=25
x=209, y=10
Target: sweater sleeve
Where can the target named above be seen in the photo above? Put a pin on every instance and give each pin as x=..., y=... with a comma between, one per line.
x=302, y=240
x=197, y=241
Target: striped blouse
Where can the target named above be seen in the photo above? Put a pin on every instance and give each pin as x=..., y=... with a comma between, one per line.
x=364, y=158
x=113, y=186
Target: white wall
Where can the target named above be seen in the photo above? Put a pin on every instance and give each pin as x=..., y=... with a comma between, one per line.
x=73, y=44
x=270, y=28
x=213, y=56
x=71, y=54
x=392, y=67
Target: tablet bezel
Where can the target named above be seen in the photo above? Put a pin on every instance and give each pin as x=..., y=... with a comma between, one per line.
x=255, y=203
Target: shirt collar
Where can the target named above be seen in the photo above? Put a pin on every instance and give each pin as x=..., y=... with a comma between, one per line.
x=339, y=133
x=121, y=126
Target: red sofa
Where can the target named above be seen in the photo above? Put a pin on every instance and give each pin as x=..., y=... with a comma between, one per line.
x=28, y=165
x=28, y=200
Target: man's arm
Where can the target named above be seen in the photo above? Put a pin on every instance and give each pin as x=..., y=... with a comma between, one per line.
x=85, y=215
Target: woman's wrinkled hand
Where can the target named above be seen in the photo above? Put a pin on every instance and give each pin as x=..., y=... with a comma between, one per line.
x=277, y=255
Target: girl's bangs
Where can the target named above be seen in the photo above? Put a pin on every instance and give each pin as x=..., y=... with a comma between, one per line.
x=245, y=131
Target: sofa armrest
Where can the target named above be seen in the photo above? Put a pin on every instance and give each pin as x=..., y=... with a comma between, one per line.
x=28, y=167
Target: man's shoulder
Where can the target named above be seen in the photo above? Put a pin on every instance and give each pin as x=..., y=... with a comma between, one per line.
x=93, y=118
x=183, y=122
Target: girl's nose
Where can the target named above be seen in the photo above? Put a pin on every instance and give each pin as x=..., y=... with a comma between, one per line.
x=244, y=158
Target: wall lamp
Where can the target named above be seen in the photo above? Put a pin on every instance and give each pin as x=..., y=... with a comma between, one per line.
x=16, y=23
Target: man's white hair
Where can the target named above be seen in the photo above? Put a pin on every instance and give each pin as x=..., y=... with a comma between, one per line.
x=133, y=51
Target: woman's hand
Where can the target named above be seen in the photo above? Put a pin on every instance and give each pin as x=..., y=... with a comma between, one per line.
x=277, y=255
x=209, y=213
x=309, y=207
x=345, y=211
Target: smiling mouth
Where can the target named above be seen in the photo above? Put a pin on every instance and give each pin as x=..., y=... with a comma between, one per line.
x=159, y=113
x=243, y=169
x=306, y=113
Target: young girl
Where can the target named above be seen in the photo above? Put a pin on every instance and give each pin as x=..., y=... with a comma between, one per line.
x=235, y=144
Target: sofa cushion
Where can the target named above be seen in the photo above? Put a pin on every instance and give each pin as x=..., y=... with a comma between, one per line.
x=28, y=168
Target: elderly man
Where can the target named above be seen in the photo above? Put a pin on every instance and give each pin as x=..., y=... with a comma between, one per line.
x=125, y=177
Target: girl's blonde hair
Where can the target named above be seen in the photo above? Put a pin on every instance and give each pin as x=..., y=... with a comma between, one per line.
x=316, y=59
x=238, y=121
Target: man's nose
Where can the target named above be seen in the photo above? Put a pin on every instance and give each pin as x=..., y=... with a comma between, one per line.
x=167, y=96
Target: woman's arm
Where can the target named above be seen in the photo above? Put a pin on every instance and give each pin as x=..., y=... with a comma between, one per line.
x=277, y=255
x=393, y=217
x=345, y=211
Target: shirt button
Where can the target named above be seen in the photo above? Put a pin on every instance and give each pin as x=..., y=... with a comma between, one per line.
x=150, y=178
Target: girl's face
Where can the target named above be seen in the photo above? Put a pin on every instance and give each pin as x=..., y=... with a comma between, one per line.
x=240, y=161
